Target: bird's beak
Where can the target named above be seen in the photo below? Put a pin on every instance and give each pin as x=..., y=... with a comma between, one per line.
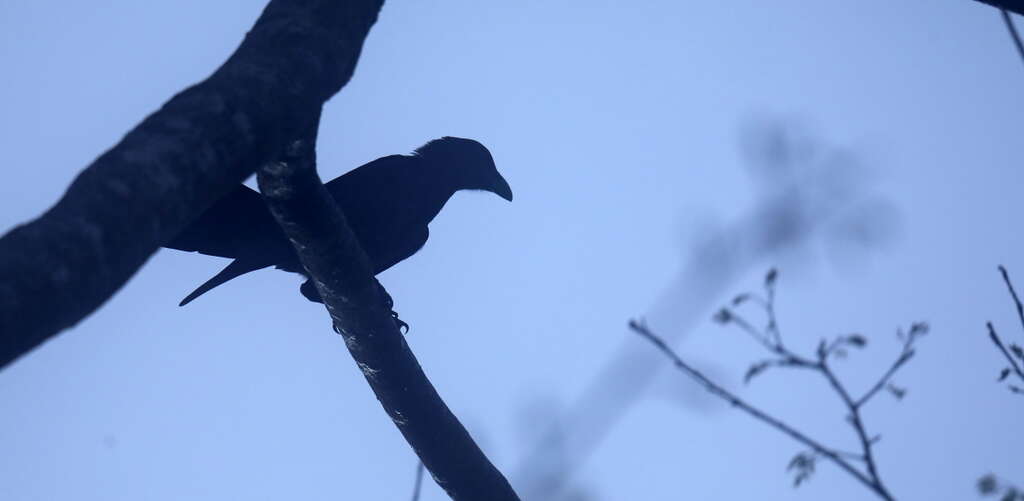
x=502, y=189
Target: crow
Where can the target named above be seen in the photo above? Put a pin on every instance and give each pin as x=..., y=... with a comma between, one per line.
x=388, y=204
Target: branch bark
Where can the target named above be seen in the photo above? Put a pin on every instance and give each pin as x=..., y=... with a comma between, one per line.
x=344, y=278
x=57, y=269
x=1016, y=6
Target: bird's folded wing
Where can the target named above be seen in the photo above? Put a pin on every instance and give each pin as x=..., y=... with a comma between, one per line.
x=234, y=226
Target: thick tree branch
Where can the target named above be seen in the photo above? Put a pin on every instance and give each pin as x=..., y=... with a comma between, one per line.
x=57, y=269
x=343, y=276
x=1016, y=6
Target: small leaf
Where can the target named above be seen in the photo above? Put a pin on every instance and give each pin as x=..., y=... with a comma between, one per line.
x=896, y=391
x=1004, y=373
x=918, y=329
x=1016, y=389
x=856, y=340
x=723, y=316
x=754, y=370
x=1016, y=349
x=740, y=299
x=770, y=277
x=1009, y=495
x=987, y=484
x=803, y=463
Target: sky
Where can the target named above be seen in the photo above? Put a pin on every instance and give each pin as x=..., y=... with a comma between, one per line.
x=623, y=130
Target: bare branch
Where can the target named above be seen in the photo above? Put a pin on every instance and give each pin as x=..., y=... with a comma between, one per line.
x=906, y=354
x=57, y=269
x=343, y=276
x=1016, y=6
x=1015, y=366
x=837, y=457
x=771, y=338
x=1002, y=348
x=418, y=485
x=1013, y=32
x=1013, y=294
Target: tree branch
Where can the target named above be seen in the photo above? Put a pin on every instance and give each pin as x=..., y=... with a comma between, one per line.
x=1012, y=29
x=771, y=338
x=57, y=269
x=1014, y=367
x=343, y=276
x=1016, y=6
x=835, y=456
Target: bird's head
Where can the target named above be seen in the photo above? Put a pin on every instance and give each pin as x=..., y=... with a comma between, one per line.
x=468, y=162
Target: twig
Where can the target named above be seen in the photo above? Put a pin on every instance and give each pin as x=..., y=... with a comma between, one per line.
x=833, y=455
x=418, y=486
x=339, y=268
x=771, y=338
x=57, y=269
x=1013, y=32
x=1014, y=367
x=904, y=357
x=999, y=343
x=1013, y=294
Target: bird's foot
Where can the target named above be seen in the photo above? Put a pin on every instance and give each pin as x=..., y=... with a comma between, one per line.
x=390, y=305
x=398, y=321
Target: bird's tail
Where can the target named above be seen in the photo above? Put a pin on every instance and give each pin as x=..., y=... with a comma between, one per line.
x=230, y=271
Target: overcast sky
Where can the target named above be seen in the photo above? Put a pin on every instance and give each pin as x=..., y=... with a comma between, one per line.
x=619, y=126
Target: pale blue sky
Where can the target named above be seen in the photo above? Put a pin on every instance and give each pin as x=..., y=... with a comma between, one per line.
x=617, y=125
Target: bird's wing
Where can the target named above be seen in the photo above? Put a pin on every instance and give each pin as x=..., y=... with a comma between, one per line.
x=366, y=183
x=234, y=226
x=376, y=201
x=385, y=254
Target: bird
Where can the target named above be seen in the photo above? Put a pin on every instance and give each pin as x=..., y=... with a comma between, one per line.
x=388, y=203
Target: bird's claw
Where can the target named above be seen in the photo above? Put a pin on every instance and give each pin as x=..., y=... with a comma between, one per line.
x=399, y=322
x=390, y=305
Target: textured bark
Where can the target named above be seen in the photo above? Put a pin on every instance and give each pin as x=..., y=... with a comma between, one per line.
x=344, y=278
x=1016, y=6
x=57, y=269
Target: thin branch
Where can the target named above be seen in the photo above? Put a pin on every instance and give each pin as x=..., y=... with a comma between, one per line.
x=1006, y=353
x=902, y=359
x=418, y=486
x=339, y=268
x=862, y=435
x=1013, y=294
x=57, y=269
x=727, y=316
x=1013, y=32
x=771, y=338
x=1015, y=367
x=833, y=455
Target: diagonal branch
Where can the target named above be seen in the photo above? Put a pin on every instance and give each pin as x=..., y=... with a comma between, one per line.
x=343, y=276
x=57, y=269
x=1014, y=367
x=1016, y=6
x=1006, y=353
x=1013, y=294
x=837, y=457
x=1013, y=32
x=770, y=337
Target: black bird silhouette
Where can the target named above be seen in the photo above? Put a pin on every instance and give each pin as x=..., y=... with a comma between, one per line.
x=388, y=203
